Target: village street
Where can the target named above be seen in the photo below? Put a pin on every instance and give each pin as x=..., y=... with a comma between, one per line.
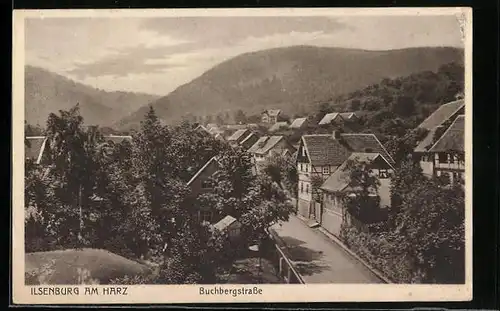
x=317, y=258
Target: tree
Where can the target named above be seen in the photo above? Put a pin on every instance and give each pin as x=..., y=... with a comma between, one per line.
x=240, y=117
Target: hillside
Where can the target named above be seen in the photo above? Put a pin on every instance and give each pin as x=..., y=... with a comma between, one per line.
x=47, y=92
x=292, y=78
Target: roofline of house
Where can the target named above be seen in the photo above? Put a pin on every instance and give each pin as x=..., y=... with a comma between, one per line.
x=305, y=146
x=449, y=103
x=200, y=170
x=40, y=154
x=444, y=134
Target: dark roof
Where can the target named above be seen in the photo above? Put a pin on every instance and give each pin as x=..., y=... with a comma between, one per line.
x=238, y=134
x=35, y=148
x=443, y=113
x=213, y=159
x=453, y=138
x=249, y=140
x=264, y=144
x=323, y=149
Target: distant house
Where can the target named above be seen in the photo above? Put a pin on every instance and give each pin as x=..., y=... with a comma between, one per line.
x=349, y=116
x=270, y=116
x=249, y=141
x=35, y=149
x=231, y=225
x=278, y=126
x=237, y=137
x=319, y=155
x=436, y=124
x=201, y=183
x=448, y=153
x=299, y=123
x=267, y=146
x=338, y=185
x=332, y=118
x=202, y=129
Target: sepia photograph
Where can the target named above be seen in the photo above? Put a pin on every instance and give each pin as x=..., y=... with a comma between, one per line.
x=242, y=152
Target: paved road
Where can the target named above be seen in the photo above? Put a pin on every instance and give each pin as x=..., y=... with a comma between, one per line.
x=318, y=259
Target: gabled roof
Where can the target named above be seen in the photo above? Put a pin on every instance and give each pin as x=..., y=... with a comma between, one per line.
x=277, y=126
x=238, y=134
x=248, y=138
x=323, y=149
x=339, y=180
x=201, y=170
x=225, y=222
x=329, y=117
x=453, y=138
x=347, y=115
x=436, y=119
x=273, y=112
x=264, y=144
x=35, y=148
x=201, y=127
x=443, y=113
x=298, y=123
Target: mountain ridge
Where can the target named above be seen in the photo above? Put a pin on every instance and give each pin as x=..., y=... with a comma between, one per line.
x=48, y=92
x=290, y=78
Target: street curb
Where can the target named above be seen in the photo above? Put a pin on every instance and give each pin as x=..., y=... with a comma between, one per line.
x=347, y=250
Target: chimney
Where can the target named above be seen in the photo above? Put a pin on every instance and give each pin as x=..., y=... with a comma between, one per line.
x=336, y=134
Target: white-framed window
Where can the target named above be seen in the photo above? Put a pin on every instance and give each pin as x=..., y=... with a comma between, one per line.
x=326, y=170
x=383, y=173
x=206, y=184
x=303, y=151
x=307, y=188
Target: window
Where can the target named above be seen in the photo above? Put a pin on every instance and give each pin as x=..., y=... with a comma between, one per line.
x=326, y=170
x=443, y=158
x=206, y=184
x=205, y=216
x=301, y=187
x=456, y=177
x=307, y=188
x=382, y=173
x=303, y=151
x=301, y=167
x=307, y=168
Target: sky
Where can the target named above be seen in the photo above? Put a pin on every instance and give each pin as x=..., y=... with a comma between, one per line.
x=157, y=54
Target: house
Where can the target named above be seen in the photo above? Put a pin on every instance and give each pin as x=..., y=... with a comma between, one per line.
x=202, y=129
x=278, y=126
x=332, y=118
x=237, y=137
x=448, y=153
x=116, y=139
x=436, y=124
x=267, y=146
x=338, y=185
x=249, y=141
x=201, y=183
x=299, y=123
x=231, y=225
x=35, y=149
x=270, y=116
x=349, y=116
x=319, y=155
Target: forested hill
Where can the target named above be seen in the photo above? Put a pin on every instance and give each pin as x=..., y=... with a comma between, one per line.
x=47, y=92
x=293, y=79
